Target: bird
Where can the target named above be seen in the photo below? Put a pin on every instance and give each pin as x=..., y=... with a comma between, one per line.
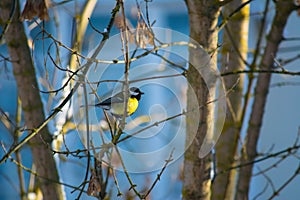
x=115, y=104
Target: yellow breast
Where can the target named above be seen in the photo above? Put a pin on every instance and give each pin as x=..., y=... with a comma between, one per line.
x=118, y=108
x=133, y=104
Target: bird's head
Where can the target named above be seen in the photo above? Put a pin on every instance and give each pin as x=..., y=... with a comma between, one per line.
x=136, y=93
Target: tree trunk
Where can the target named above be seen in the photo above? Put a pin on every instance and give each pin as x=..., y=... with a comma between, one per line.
x=283, y=10
x=235, y=46
x=32, y=107
x=203, y=16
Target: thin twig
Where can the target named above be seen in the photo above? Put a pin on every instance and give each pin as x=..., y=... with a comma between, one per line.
x=170, y=159
x=269, y=180
x=69, y=96
x=237, y=51
x=273, y=155
x=260, y=71
x=164, y=120
x=88, y=142
x=116, y=182
x=132, y=185
x=252, y=66
x=271, y=166
x=18, y=154
x=237, y=10
x=138, y=80
x=36, y=174
x=261, y=192
x=286, y=183
x=8, y=22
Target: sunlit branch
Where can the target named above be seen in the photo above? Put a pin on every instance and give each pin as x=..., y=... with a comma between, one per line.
x=249, y=86
x=82, y=26
x=238, y=9
x=16, y=136
x=9, y=20
x=230, y=36
x=125, y=48
x=223, y=2
x=7, y=122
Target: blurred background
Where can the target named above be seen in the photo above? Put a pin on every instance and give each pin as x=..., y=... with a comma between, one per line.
x=281, y=118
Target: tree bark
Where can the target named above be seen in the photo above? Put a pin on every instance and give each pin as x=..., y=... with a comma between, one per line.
x=203, y=16
x=235, y=46
x=283, y=10
x=32, y=106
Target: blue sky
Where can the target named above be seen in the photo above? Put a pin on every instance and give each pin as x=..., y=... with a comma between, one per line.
x=281, y=118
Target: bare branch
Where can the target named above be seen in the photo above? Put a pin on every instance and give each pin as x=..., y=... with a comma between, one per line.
x=170, y=159
x=63, y=103
x=261, y=71
x=286, y=183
